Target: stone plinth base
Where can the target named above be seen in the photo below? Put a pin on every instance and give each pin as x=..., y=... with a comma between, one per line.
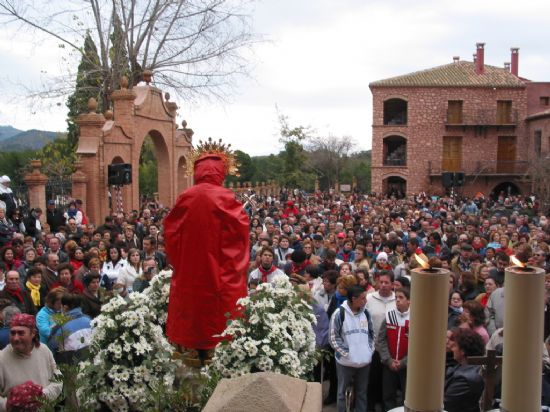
x=265, y=391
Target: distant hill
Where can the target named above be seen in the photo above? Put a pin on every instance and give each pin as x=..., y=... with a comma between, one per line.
x=30, y=140
x=7, y=131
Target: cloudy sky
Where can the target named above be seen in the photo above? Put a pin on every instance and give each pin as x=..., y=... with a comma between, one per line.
x=316, y=65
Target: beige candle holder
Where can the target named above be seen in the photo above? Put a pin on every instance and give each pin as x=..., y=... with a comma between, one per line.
x=427, y=339
x=523, y=339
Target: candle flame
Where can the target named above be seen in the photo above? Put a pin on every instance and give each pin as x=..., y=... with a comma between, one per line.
x=516, y=261
x=422, y=259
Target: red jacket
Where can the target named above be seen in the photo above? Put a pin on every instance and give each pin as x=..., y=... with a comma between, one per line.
x=74, y=287
x=397, y=336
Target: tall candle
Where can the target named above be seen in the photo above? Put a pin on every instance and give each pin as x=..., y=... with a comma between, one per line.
x=523, y=339
x=427, y=338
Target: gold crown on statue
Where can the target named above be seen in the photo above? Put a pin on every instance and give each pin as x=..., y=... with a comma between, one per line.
x=213, y=148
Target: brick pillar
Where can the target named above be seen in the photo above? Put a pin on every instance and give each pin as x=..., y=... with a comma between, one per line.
x=91, y=157
x=36, y=182
x=80, y=182
x=124, y=110
x=123, y=106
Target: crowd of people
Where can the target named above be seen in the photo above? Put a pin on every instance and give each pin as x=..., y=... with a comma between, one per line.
x=352, y=252
x=355, y=254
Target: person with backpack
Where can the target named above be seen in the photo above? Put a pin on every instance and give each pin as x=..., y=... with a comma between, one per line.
x=351, y=335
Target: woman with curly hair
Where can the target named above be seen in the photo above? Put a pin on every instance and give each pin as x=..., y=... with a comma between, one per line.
x=475, y=313
x=463, y=383
x=8, y=259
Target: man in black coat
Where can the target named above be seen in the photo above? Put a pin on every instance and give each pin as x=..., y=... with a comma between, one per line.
x=54, y=216
x=32, y=223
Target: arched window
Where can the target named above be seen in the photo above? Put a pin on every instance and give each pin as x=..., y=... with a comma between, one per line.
x=395, y=186
x=395, y=112
x=395, y=151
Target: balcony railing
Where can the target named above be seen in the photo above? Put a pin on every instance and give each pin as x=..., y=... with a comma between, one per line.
x=400, y=161
x=484, y=168
x=483, y=117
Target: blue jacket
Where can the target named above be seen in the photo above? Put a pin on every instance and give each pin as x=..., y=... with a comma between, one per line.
x=350, y=258
x=321, y=327
x=45, y=323
x=4, y=337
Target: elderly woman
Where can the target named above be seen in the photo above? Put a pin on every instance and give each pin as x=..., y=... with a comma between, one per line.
x=28, y=261
x=463, y=383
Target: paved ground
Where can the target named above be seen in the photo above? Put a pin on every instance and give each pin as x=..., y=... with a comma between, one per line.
x=329, y=408
x=332, y=408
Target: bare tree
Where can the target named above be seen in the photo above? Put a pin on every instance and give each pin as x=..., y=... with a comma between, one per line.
x=328, y=154
x=194, y=47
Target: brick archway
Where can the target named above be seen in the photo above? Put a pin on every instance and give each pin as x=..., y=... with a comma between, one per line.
x=118, y=136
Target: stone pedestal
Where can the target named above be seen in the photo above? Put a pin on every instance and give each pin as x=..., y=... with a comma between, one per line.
x=265, y=391
x=36, y=182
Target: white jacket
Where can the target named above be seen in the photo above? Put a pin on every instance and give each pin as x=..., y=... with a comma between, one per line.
x=378, y=306
x=350, y=340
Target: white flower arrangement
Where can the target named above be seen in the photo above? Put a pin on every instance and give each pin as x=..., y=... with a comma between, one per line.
x=159, y=294
x=129, y=355
x=274, y=334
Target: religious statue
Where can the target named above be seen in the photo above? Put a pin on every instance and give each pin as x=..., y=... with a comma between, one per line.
x=206, y=235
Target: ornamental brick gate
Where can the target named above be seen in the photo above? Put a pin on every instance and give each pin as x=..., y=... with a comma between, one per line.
x=117, y=137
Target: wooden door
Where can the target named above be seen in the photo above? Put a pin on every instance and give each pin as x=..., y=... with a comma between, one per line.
x=452, y=154
x=454, y=112
x=504, y=112
x=506, y=154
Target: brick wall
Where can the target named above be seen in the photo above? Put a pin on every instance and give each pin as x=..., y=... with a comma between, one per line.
x=426, y=127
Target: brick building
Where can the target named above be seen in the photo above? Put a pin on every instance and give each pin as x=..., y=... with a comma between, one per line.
x=477, y=123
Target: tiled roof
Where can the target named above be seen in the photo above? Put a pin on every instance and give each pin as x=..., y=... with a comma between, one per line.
x=459, y=74
x=544, y=113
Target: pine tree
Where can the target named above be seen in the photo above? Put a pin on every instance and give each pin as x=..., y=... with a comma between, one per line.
x=89, y=81
x=118, y=54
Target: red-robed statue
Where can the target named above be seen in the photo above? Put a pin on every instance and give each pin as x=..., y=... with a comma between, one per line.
x=206, y=236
